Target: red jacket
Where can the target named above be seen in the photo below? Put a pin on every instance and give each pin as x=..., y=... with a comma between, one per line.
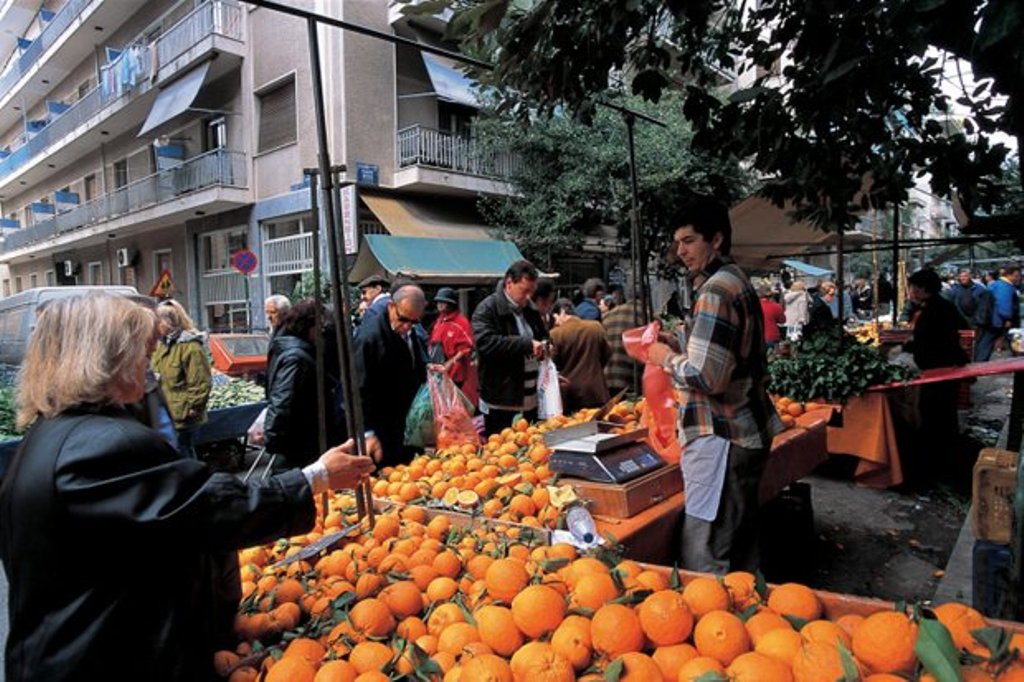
x=454, y=333
x=774, y=315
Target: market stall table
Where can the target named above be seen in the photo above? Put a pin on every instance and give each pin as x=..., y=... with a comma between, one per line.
x=653, y=534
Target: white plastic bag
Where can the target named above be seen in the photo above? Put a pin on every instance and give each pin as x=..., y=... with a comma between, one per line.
x=549, y=395
x=255, y=433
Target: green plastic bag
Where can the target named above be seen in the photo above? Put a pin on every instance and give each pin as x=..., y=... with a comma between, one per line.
x=419, y=422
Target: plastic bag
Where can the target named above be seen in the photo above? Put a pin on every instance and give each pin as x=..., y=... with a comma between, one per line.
x=256, y=433
x=660, y=415
x=419, y=421
x=549, y=395
x=453, y=413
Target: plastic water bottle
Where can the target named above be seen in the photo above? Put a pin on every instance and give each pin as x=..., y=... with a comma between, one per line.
x=581, y=524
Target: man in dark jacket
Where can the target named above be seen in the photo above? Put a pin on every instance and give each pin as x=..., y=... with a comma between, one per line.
x=391, y=361
x=593, y=291
x=972, y=299
x=509, y=340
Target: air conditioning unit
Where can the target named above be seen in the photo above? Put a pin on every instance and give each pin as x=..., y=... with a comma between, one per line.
x=69, y=268
x=124, y=258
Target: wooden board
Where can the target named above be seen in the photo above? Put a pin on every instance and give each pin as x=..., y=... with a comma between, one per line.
x=625, y=500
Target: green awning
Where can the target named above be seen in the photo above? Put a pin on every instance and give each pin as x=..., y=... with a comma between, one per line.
x=434, y=261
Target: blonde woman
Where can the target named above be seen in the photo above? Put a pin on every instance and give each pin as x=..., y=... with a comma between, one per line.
x=106, y=532
x=181, y=362
x=797, y=302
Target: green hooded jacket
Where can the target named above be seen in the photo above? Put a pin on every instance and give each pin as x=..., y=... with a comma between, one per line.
x=184, y=372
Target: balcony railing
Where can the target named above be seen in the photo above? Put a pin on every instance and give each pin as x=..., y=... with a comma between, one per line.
x=288, y=255
x=50, y=34
x=421, y=146
x=223, y=286
x=217, y=168
x=216, y=16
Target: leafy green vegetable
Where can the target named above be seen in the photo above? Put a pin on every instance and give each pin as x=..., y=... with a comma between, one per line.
x=234, y=392
x=7, y=411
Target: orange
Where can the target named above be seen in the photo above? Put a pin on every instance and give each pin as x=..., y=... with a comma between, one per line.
x=817, y=662
x=671, y=658
x=849, y=623
x=793, y=599
x=386, y=527
x=447, y=563
x=456, y=636
x=402, y=598
x=665, y=618
x=537, y=661
x=755, y=667
x=224, y=661
x=637, y=667
x=411, y=629
x=721, y=635
x=289, y=589
x=825, y=631
x=478, y=565
x=795, y=409
x=572, y=640
x=295, y=669
x=763, y=622
x=652, y=580
x=443, y=616
x=960, y=619
x=486, y=668
x=505, y=579
x=441, y=589
x=782, y=645
x=371, y=618
x=309, y=649
x=336, y=671
x=367, y=656
x=884, y=642
x=615, y=630
x=742, y=588
x=704, y=595
x=581, y=567
x=696, y=668
x=498, y=629
x=373, y=676
x=538, y=610
x=885, y=677
x=592, y=591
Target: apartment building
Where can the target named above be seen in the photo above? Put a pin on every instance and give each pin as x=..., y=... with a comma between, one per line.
x=144, y=137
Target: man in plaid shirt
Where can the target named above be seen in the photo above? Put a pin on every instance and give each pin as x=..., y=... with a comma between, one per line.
x=726, y=420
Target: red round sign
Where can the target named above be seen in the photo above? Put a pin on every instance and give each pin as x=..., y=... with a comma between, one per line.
x=244, y=261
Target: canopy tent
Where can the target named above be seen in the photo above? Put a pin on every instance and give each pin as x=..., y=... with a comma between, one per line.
x=434, y=261
x=408, y=217
x=763, y=235
x=807, y=268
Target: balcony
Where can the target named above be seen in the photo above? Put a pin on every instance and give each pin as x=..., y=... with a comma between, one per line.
x=438, y=161
x=114, y=102
x=216, y=169
x=288, y=255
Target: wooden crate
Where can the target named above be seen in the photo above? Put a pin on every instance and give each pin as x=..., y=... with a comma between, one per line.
x=993, y=489
x=623, y=500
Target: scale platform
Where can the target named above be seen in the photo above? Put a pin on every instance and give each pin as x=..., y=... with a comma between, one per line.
x=617, y=465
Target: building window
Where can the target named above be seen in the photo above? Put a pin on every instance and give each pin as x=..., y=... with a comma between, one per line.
x=33, y=280
x=277, y=116
x=17, y=284
x=7, y=287
x=94, y=273
x=120, y=173
x=90, y=187
x=162, y=262
x=51, y=278
x=218, y=247
x=215, y=134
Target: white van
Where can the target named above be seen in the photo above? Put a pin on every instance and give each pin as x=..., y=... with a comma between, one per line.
x=18, y=315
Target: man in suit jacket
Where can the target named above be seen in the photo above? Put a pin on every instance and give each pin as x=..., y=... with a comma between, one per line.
x=580, y=352
x=391, y=360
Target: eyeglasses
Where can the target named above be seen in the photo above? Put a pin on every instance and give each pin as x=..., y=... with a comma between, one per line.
x=406, y=320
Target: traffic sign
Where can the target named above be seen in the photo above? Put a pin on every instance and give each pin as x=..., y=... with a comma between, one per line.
x=164, y=286
x=245, y=261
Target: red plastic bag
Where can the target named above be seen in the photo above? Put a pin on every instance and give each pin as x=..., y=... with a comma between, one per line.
x=660, y=415
x=453, y=423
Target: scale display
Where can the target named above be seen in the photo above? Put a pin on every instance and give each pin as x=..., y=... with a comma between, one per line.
x=614, y=466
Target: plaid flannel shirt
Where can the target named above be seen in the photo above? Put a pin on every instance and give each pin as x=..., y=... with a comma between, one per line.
x=721, y=376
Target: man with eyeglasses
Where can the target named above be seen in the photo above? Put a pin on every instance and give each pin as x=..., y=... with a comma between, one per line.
x=391, y=360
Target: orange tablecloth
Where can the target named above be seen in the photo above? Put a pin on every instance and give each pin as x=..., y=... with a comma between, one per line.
x=869, y=433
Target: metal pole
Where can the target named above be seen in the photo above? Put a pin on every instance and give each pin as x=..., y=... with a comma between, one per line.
x=321, y=383
x=638, y=252
x=343, y=328
x=840, y=284
x=895, y=263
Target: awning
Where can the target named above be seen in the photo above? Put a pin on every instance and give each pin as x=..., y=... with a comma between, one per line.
x=450, y=84
x=405, y=217
x=807, y=268
x=176, y=98
x=434, y=261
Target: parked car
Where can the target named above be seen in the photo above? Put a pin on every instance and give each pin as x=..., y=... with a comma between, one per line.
x=240, y=355
x=18, y=315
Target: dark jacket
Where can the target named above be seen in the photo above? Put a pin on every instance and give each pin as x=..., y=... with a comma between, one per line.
x=291, y=425
x=936, y=341
x=588, y=310
x=389, y=377
x=974, y=302
x=820, y=318
x=501, y=349
x=106, y=533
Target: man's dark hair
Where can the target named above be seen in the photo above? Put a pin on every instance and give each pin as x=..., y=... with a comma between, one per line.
x=563, y=305
x=1010, y=269
x=300, y=318
x=520, y=269
x=545, y=288
x=927, y=279
x=707, y=217
x=592, y=286
x=994, y=274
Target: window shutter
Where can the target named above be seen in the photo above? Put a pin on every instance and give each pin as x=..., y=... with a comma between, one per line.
x=277, y=117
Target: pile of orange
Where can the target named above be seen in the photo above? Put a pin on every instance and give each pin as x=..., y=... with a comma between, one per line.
x=789, y=409
x=505, y=479
x=416, y=599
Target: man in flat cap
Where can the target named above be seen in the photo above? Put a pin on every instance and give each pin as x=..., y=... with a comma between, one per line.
x=375, y=293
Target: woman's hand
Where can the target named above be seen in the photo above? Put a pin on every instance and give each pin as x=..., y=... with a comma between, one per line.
x=344, y=469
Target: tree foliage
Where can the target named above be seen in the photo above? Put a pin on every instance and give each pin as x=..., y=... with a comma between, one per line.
x=862, y=106
x=575, y=176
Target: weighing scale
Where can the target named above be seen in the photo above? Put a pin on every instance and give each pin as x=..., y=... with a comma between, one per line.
x=589, y=452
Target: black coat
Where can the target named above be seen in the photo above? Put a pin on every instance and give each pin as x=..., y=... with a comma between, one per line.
x=389, y=377
x=107, y=535
x=291, y=426
x=820, y=318
x=501, y=349
x=936, y=341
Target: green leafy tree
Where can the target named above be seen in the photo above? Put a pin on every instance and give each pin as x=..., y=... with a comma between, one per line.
x=863, y=104
x=575, y=175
